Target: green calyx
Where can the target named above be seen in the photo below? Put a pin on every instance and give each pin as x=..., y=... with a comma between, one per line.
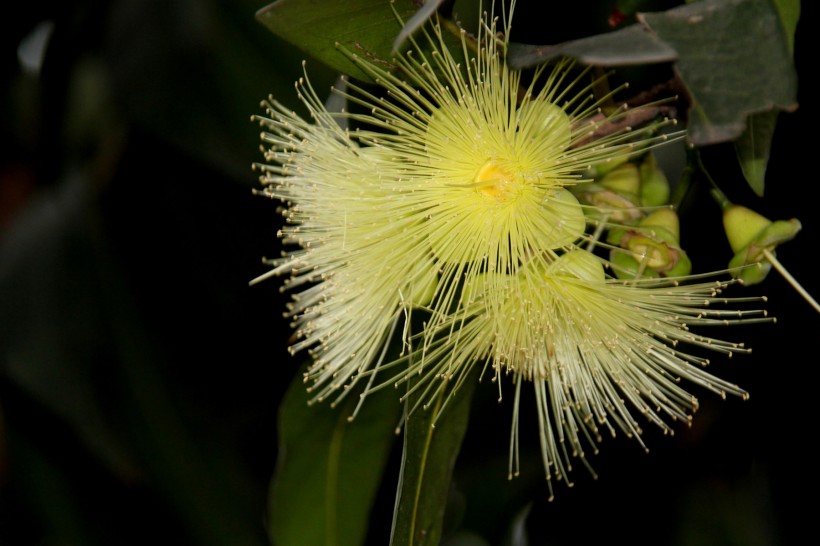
x=751, y=236
x=650, y=249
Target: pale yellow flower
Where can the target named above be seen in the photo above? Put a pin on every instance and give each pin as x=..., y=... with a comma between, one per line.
x=449, y=195
x=596, y=350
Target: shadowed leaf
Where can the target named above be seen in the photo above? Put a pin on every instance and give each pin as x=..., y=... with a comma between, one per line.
x=329, y=468
x=733, y=58
x=430, y=451
x=789, y=11
x=631, y=45
x=753, y=146
x=365, y=27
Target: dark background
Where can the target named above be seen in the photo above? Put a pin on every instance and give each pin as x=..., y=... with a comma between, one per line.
x=140, y=375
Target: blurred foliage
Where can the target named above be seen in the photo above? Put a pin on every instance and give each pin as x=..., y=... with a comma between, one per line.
x=140, y=376
x=136, y=402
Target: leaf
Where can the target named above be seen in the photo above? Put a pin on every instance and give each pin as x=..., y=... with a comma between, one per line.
x=789, y=11
x=365, y=27
x=753, y=147
x=631, y=45
x=430, y=449
x=733, y=58
x=329, y=468
x=419, y=18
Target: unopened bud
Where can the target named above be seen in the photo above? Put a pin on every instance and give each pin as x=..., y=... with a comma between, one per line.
x=654, y=184
x=752, y=236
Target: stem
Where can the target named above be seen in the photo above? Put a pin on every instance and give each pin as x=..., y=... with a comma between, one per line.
x=791, y=280
x=720, y=197
x=599, y=229
x=715, y=190
x=681, y=189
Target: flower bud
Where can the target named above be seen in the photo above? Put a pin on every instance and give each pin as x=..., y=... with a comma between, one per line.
x=624, y=179
x=579, y=263
x=615, y=195
x=750, y=235
x=742, y=225
x=654, y=184
x=653, y=248
x=600, y=169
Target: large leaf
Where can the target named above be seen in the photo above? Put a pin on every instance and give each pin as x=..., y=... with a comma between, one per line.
x=329, y=468
x=733, y=58
x=365, y=27
x=430, y=449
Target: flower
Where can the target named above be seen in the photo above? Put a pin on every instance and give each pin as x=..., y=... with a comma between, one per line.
x=450, y=195
x=595, y=349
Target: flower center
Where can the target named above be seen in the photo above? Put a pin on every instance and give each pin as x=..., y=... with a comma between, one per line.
x=495, y=182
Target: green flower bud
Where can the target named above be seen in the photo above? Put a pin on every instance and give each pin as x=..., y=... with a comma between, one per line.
x=682, y=267
x=653, y=245
x=654, y=184
x=751, y=236
x=580, y=264
x=600, y=169
x=742, y=225
x=615, y=195
x=609, y=204
x=627, y=267
x=624, y=180
x=665, y=218
x=749, y=274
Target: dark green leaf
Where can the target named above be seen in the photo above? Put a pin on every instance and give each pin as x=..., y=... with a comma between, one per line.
x=789, y=11
x=733, y=58
x=629, y=46
x=753, y=148
x=329, y=468
x=430, y=449
x=365, y=27
x=753, y=145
